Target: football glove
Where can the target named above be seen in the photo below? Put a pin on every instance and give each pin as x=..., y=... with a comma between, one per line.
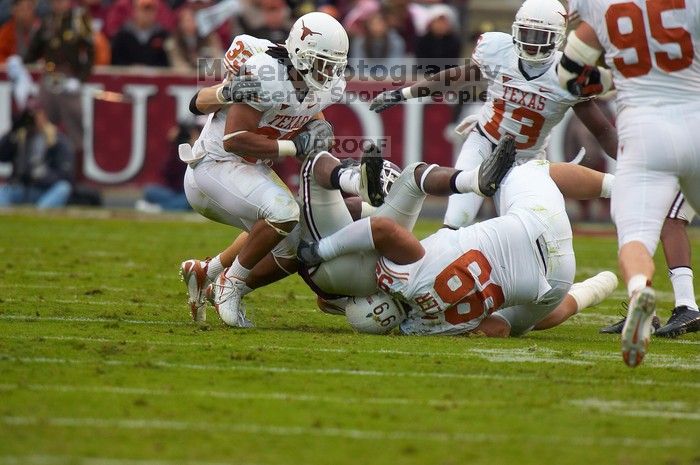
x=245, y=88
x=386, y=99
x=588, y=80
x=316, y=136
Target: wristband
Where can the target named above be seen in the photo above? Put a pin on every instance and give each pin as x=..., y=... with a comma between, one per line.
x=286, y=148
x=220, y=95
x=406, y=93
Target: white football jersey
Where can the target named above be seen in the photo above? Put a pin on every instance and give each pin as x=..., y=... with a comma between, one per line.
x=282, y=112
x=652, y=48
x=469, y=273
x=527, y=109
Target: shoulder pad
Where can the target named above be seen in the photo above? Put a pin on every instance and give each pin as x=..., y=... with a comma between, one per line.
x=275, y=86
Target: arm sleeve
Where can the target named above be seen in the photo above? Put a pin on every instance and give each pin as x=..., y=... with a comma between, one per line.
x=193, y=105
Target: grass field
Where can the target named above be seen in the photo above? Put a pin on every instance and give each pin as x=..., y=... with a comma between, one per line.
x=100, y=364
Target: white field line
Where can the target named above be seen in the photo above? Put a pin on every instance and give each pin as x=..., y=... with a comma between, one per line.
x=267, y=369
x=684, y=341
x=81, y=319
x=89, y=300
x=73, y=460
x=598, y=319
x=673, y=410
x=524, y=355
x=30, y=317
x=236, y=395
x=343, y=433
x=325, y=371
x=127, y=290
x=44, y=273
x=621, y=295
x=64, y=288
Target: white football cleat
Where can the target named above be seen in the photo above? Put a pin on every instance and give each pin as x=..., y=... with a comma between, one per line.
x=194, y=274
x=225, y=295
x=594, y=290
x=637, y=329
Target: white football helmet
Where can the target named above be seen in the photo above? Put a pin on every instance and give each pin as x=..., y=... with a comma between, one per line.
x=538, y=29
x=318, y=48
x=374, y=314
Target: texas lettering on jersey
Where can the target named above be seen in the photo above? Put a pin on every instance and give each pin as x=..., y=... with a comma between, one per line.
x=522, y=98
x=287, y=122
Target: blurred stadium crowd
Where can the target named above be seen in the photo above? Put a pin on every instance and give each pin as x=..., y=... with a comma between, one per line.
x=177, y=33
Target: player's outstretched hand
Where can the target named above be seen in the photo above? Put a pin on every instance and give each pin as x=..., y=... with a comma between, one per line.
x=316, y=136
x=386, y=99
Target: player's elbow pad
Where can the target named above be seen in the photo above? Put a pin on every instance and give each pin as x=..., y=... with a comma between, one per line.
x=193, y=105
x=577, y=71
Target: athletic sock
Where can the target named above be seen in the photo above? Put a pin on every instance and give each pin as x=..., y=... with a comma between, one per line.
x=215, y=268
x=682, y=282
x=238, y=271
x=355, y=237
x=464, y=182
x=636, y=283
x=346, y=179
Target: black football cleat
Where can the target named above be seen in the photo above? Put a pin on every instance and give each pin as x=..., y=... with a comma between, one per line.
x=683, y=320
x=307, y=253
x=616, y=328
x=494, y=168
x=371, y=167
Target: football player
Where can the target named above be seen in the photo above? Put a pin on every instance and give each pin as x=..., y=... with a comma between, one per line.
x=652, y=50
x=228, y=179
x=529, y=250
x=524, y=97
x=333, y=194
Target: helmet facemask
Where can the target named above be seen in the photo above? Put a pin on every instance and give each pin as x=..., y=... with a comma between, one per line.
x=319, y=70
x=390, y=173
x=536, y=42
